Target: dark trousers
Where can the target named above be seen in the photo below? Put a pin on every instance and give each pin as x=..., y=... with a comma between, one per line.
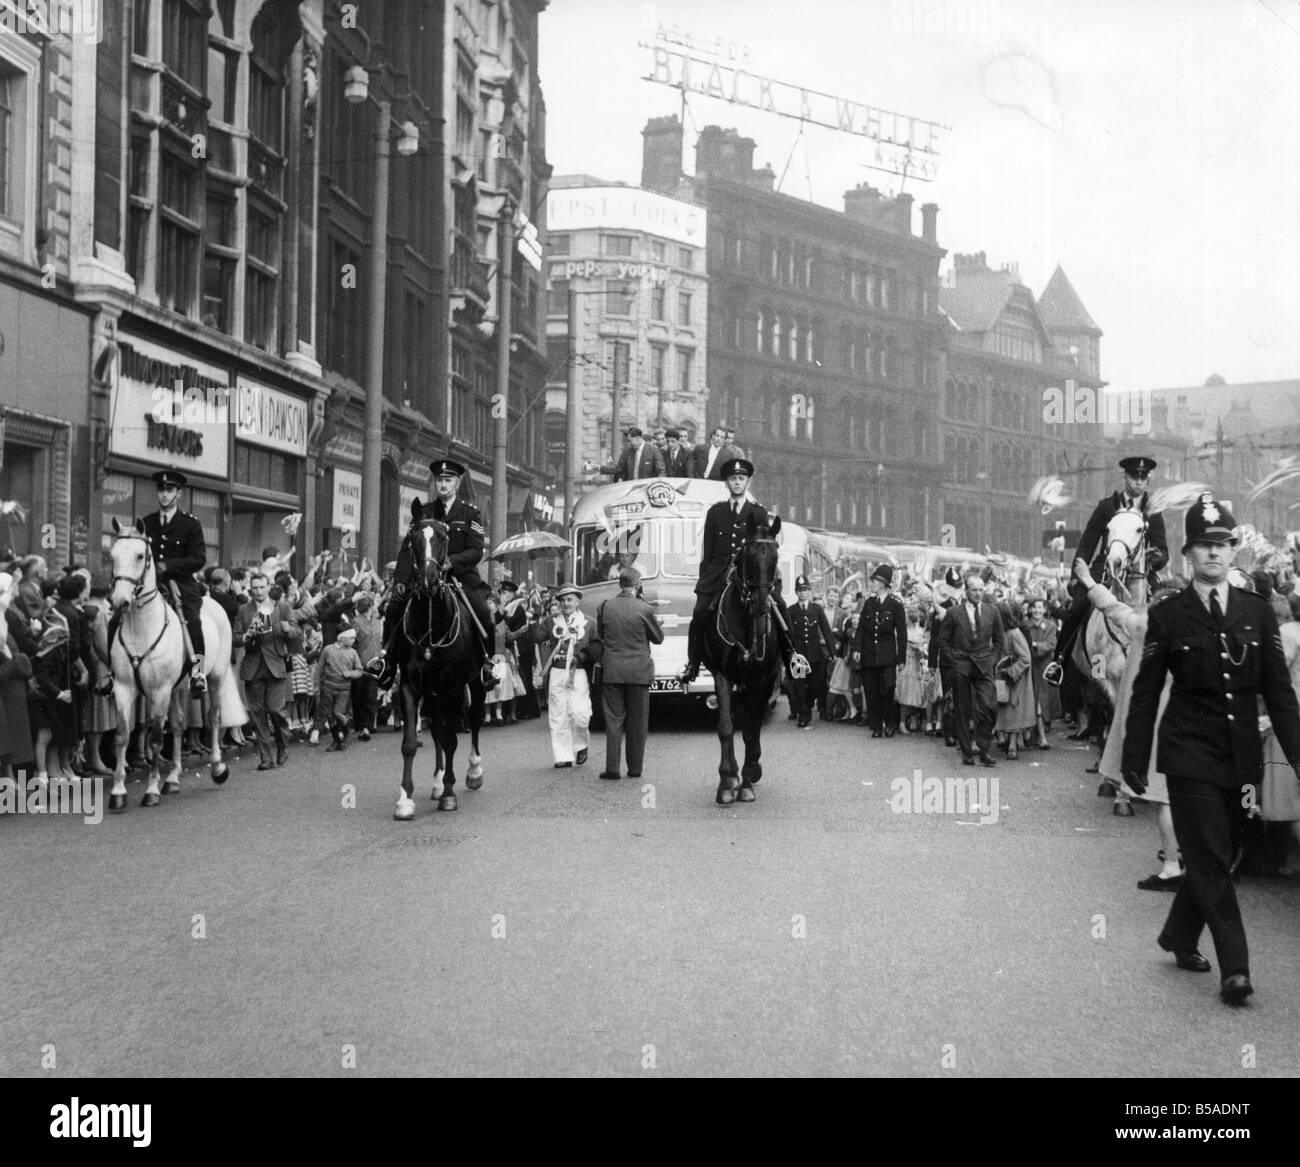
x=810, y=691
x=365, y=700
x=627, y=710
x=1208, y=820
x=529, y=706
x=878, y=683
x=266, y=696
x=948, y=716
x=1070, y=624
x=191, y=610
x=974, y=697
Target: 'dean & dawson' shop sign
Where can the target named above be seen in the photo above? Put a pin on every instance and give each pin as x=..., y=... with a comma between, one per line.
x=271, y=418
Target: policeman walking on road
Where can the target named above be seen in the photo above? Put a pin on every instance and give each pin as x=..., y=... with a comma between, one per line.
x=811, y=635
x=1224, y=651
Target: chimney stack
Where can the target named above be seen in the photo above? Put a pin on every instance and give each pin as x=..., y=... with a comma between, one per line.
x=903, y=213
x=724, y=153
x=929, y=221
x=661, y=154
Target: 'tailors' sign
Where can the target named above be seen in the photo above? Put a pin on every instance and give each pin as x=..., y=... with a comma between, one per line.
x=916, y=138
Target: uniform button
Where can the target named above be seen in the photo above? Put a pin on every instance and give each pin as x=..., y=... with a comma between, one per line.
x=1223, y=656
x=1225, y=676
x=1228, y=696
x=1231, y=718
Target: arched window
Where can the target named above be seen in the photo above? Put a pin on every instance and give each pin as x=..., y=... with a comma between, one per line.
x=776, y=336
x=812, y=353
x=794, y=340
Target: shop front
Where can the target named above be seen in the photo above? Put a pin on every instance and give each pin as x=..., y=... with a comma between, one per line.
x=268, y=479
x=168, y=410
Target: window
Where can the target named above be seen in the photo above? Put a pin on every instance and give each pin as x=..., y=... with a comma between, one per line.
x=658, y=355
x=220, y=259
x=560, y=244
x=557, y=298
x=685, y=368
x=658, y=298
x=760, y=331
x=618, y=360
x=794, y=340
x=684, y=308
x=261, y=278
x=620, y=295
x=184, y=45
x=140, y=29
x=776, y=336
x=686, y=258
x=8, y=118
x=343, y=320
x=178, y=236
x=265, y=105
x=620, y=245
x=658, y=251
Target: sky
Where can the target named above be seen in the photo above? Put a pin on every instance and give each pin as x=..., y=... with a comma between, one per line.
x=1150, y=147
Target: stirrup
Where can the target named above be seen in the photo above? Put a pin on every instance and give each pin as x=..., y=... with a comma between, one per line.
x=1053, y=673
x=487, y=676
x=687, y=675
x=377, y=665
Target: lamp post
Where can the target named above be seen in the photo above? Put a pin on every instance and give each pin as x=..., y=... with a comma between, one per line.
x=501, y=414
x=356, y=90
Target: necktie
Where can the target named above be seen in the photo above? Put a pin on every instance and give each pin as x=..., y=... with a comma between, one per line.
x=1216, y=612
x=974, y=620
x=735, y=508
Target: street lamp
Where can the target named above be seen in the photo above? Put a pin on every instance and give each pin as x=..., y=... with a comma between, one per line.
x=356, y=90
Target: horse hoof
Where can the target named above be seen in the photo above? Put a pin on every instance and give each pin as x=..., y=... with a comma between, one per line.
x=220, y=772
x=745, y=794
x=473, y=782
x=171, y=786
x=447, y=802
x=726, y=797
x=405, y=810
x=117, y=802
x=1123, y=809
x=151, y=798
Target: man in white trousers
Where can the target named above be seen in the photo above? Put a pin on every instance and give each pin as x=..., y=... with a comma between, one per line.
x=567, y=688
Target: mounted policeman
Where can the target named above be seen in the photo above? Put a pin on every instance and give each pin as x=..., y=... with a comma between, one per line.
x=465, y=537
x=1092, y=550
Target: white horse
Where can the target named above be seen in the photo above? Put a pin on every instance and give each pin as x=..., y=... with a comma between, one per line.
x=147, y=657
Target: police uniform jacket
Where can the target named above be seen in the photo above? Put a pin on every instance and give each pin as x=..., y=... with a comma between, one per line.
x=882, y=633
x=464, y=543
x=1092, y=547
x=1210, y=727
x=179, y=549
x=724, y=535
x=811, y=632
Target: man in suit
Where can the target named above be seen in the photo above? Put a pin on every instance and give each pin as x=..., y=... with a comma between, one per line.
x=973, y=637
x=627, y=627
x=1223, y=649
x=679, y=462
x=726, y=525
x=640, y=459
x=1092, y=550
x=811, y=635
x=881, y=647
x=711, y=458
x=464, y=551
x=179, y=550
x=266, y=630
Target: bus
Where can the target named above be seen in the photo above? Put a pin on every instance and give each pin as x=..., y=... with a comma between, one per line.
x=839, y=560
x=656, y=525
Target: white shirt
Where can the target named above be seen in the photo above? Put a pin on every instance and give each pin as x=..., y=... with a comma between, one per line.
x=167, y=516
x=1203, y=590
x=713, y=457
x=973, y=613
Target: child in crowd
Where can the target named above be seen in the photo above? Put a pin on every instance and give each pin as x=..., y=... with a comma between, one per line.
x=339, y=667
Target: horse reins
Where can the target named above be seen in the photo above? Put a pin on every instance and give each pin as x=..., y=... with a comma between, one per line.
x=139, y=599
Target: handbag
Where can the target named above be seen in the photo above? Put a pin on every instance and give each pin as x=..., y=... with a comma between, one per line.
x=1003, y=688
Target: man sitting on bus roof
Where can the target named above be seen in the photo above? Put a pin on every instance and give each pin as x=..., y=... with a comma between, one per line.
x=725, y=527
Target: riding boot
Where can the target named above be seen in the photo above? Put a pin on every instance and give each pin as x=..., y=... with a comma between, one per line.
x=198, y=682
x=692, y=669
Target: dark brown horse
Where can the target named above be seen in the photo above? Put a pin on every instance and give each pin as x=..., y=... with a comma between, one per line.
x=741, y=651
x=439, y=653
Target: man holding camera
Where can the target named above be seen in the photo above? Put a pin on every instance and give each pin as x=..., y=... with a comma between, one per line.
x=268, y=633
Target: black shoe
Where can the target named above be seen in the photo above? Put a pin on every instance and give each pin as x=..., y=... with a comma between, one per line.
x=281, y=756
x=1160, y=883
x=1187, y=958
x=967, y=760
x=860, y=720
x=266, y=765
x=1236, y=988
x=877, y=733
x=611, y=775
x=891, y=731
x=950, y=741
x=985, y=760
x=563, y=765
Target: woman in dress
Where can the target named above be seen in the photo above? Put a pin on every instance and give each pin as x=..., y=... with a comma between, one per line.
x=1016, y=715
x=101, y=708
x=15, y=668
x=844, y=624
x=911, y=683
x=1040, y=630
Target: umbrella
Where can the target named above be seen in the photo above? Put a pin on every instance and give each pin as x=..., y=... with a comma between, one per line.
x=531, y=543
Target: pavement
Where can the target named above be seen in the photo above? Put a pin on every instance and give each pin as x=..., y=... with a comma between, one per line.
x=284, y=925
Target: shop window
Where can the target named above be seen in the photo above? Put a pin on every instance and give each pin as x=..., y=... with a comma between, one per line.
x=25, y=479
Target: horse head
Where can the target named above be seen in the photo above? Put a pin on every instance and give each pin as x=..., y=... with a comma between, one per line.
x=133, y=568
x=756, y=569
x=1126, y=543
x=428, y=538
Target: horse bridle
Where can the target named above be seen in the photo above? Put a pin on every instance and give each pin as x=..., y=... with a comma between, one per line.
x=747, y=589
x=136, y=601
x=139, y=581
x=443, y=567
